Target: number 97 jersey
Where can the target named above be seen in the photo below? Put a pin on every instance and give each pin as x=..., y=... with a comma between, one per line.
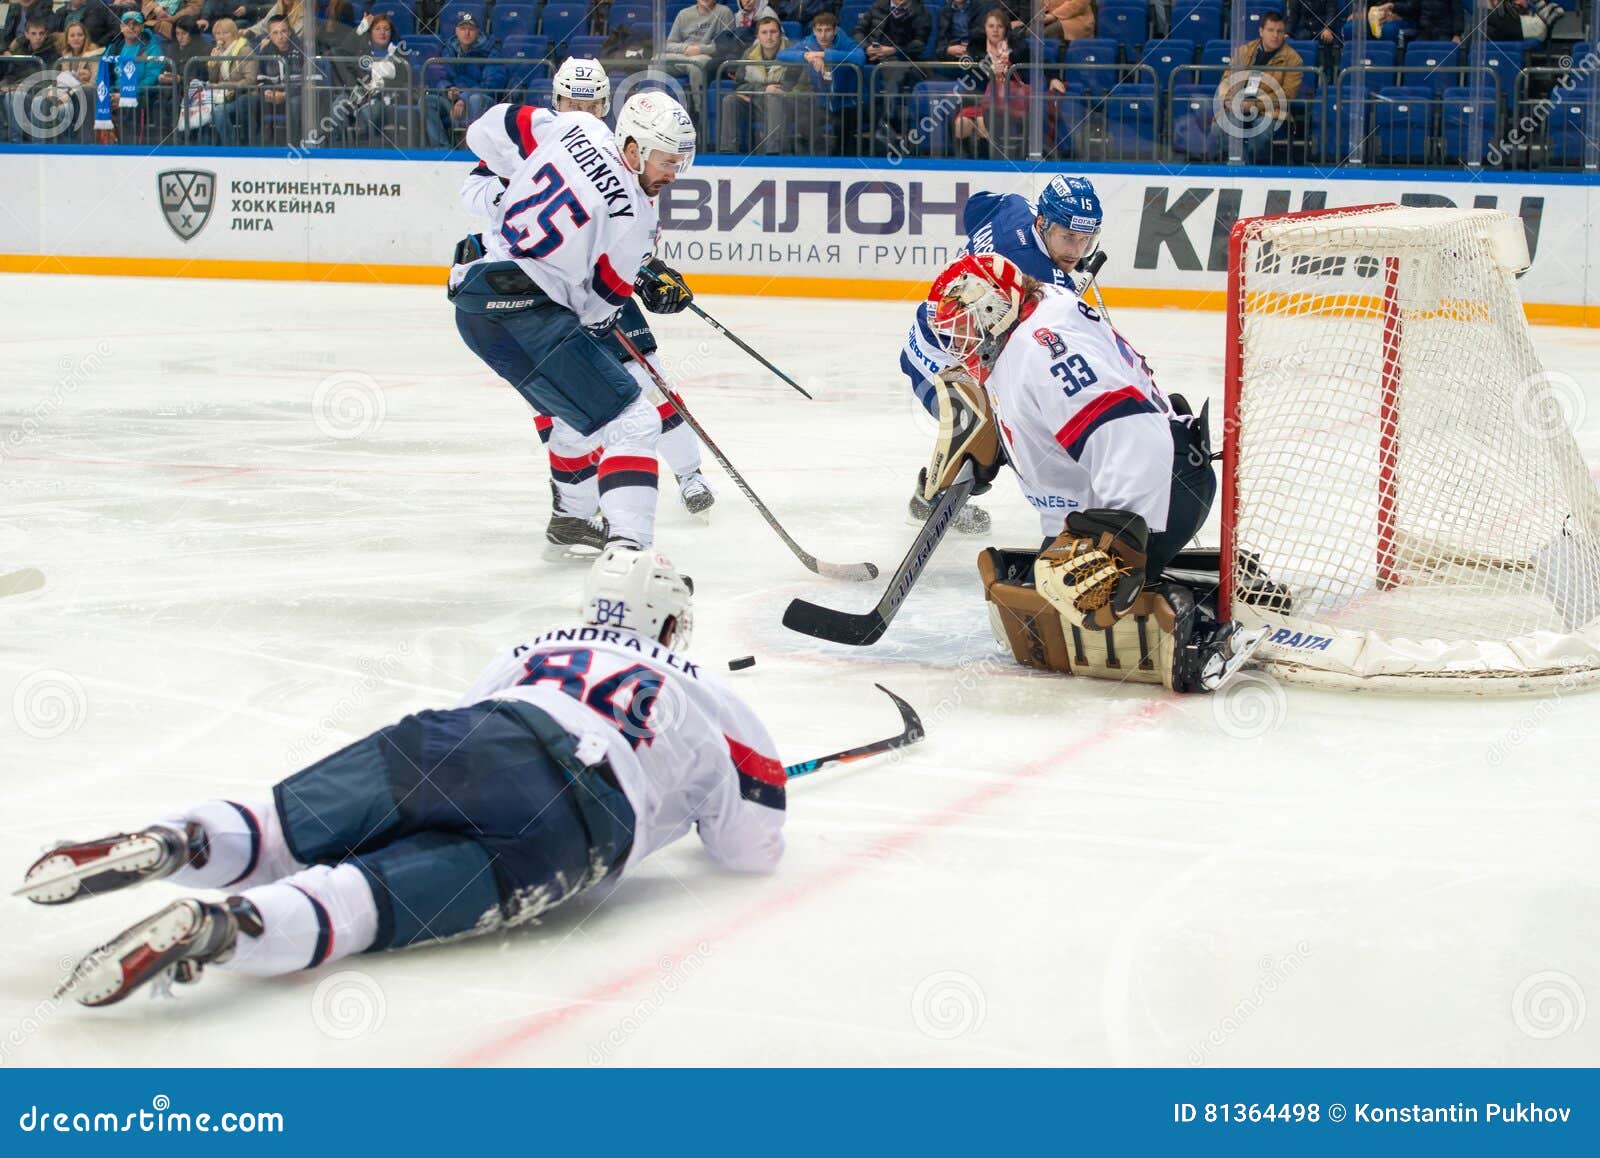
x=1082, y=420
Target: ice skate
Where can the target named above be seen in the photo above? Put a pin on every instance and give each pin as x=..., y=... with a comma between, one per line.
x=971, y=521
x=70, y=872
x=173, y=944
x=571, y=536
x=696, y=493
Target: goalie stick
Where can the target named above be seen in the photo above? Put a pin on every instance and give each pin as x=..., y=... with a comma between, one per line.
x=912, y=733
x=854, y=572
x=868, y=627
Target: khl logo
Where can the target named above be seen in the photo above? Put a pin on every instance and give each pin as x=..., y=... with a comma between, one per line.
x=186, y=199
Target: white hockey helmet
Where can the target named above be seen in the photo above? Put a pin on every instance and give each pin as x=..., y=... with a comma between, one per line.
x=641, y=591
x=581, y=79
x=975, y=301
x=659, y=124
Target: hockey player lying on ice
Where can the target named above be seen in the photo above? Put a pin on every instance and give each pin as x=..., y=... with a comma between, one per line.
x=1120, y=477
x=573, y=758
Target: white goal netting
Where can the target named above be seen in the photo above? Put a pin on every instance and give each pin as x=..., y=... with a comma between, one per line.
x=1399, y=461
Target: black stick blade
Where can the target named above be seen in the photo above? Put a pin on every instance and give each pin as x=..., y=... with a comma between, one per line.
x=835, y=626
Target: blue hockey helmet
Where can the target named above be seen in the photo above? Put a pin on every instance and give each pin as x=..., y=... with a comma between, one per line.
x=1070, y=202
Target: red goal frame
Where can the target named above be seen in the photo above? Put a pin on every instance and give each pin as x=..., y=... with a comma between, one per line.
x=1388, y=409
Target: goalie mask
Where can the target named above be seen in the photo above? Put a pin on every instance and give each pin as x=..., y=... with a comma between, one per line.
x=640, y=591
x=975, y=302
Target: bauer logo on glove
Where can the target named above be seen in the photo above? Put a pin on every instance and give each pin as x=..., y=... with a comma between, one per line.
x=1096, y=567
x=661, y=288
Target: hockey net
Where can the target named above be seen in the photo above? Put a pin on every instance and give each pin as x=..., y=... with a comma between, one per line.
x=1404, y=503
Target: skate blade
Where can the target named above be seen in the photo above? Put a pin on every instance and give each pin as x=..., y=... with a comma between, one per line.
x=56, y=878
x=1245, y=645
x=20, y=582
x=567, y=552
x=136, y=955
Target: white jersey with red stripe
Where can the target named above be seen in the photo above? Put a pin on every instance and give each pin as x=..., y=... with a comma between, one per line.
x=685, y=749
x=1083, y=423
x=571, y=214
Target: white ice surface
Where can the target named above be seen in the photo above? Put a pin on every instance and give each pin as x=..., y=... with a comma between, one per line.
x=1065, y=872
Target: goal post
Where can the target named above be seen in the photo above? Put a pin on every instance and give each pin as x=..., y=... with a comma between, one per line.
x=1403, y=501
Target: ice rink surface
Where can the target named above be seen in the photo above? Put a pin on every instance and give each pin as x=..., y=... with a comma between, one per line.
x=274, y=517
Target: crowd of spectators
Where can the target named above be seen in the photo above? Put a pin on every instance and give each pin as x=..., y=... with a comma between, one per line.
x=760, y=76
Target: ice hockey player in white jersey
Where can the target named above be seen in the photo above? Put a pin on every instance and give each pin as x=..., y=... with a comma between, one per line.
x=574, y=757
x=1121, y=479
x=581, y=85
x=575, y=225
x=1047, y=242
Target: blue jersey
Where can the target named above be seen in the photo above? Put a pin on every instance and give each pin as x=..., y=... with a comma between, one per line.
x=995, y=223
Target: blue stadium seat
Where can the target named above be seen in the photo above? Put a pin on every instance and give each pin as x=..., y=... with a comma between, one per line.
x=1165, y=57
x=1460, y=111
x=1569, y=122
x=924, y=97
x=514, y=18
x=792, y=32
x=1197, y=20
x=1068, y=117
x=1379, y=61
x=1254, y=10
x=1193, y=113
x=1402, y=115
x=632, y=12
x=1130, y=111
x=1095, y=54
x=585, y=45
x=423, y=48
x=1217, y=51
x=1506, y=62
x=526, y=47
x=401, y=16
x=1310, y=51
x=563, y=20
x=1441, y=58
x=447, y=16
x=540, y=93
x=1125, y=21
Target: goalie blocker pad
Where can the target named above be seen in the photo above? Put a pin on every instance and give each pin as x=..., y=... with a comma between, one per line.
x=967, y=431
x=1150, y=644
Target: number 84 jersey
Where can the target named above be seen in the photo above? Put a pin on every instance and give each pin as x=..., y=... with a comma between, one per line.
x=686, y=751
x=1082, y=420
x=572, y=214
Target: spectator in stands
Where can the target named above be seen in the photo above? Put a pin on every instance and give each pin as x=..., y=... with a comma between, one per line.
x=99, y=22
x=469, y=84
x=806, y=11
x=291, y=11
x=1321, y=20
x=1068, y=20
x=381, y=49
x=826, y=116
x=233, y=72
x=994, y=125
x=242, y=15
x=1521, y=20
x=1405, y=20
x=743, y=33
x=895, y=32
x=1384, y=22
x=146, y=53
x=1255, y=94
x=691, y=45
x=765, y=97
x=39, y=54
x=954, y=28
x=187, y=45
x=80, y=53
x=15, y=26
x=161, y=16
x=281, y=73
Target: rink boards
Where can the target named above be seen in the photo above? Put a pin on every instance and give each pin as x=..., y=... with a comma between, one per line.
x=868, y=230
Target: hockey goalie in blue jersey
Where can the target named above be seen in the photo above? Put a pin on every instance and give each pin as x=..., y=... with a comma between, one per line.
x=575, y=224
x=1046, y=242
x=573, y=757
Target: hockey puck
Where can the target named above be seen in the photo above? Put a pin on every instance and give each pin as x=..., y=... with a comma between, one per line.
x=741, y=663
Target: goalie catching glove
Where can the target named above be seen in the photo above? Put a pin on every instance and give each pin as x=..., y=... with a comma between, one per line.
x=1095, y=569
x=661, y=288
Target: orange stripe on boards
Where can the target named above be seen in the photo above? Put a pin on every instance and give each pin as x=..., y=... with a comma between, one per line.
x=838, y=288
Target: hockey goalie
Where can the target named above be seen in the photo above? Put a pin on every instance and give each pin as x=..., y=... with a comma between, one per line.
x=1120, y=476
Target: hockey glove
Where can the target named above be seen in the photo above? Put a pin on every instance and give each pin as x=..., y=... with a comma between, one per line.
x=661, y=288
x=1095, y=568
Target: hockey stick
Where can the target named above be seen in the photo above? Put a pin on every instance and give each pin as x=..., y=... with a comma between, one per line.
x=868, y=627
x=745, y=346
x=913, y=732
x=854, y=572
x=1091, y=266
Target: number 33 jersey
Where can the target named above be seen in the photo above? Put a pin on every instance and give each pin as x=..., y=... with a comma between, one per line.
x=1083, y=422
x=572, y=214
x=686, y=751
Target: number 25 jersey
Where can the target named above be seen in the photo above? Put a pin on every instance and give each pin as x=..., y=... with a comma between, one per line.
x=571, y=215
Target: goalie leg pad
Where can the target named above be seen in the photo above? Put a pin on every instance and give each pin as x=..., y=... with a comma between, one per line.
x=1095, y=569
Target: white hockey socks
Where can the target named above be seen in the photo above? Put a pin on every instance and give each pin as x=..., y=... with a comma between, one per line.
x=680, y=446
x=316, y=916
x=574, y=462
x=244, y=842
x=628, y=473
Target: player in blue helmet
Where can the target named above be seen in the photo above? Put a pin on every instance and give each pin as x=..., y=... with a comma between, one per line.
x=1047, y=240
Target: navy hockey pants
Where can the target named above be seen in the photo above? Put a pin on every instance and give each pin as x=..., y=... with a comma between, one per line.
x=561, y=368
x=461, y=820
